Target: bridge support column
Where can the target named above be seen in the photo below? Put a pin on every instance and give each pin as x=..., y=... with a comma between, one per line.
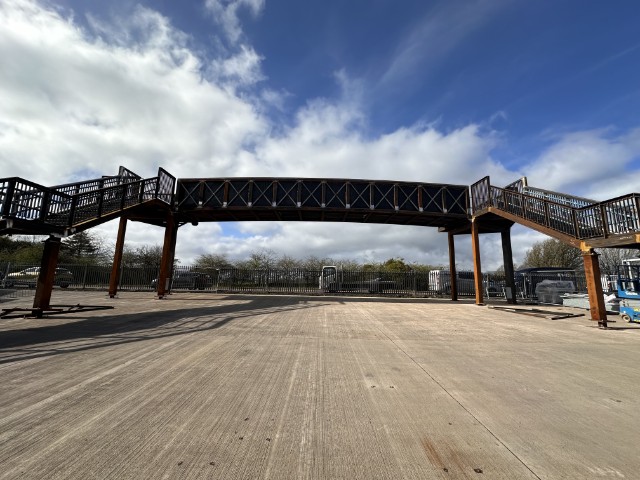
x=594, y=287
x=477, y=268
x=47, y=274
x=168, y=255
x=452, y=268
x=114, y=280
x=509, y=275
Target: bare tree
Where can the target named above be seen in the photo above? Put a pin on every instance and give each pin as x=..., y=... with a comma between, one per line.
x=610, y=258
x=316, y=263
x=285, y=262
x=213, y=261
x=262, y=259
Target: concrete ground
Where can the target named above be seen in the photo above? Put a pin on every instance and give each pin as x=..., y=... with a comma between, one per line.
x=251, y=387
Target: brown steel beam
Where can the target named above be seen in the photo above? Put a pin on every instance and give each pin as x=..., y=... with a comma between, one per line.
x=509, y=275
x=114, y=281
x=168, y=252
x=452, y=268
x=628, y=240
x=477, y=268
x=47, y=274
x=594, y=287
x=574, y=242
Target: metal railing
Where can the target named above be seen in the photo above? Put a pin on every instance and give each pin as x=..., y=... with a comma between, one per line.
x=124, y=176
x=592, y=220
x=479, y=193
x=98, y=203
x=295, y=281
x=72, y=204
x=435, y=283
x=557, y=197
x=327, y=194
x=27, y=200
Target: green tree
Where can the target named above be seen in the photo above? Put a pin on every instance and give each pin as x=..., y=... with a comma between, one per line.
x=24, y=250
x=147, y=256
x=396, y=265
x=552, y=253
x=83, y=247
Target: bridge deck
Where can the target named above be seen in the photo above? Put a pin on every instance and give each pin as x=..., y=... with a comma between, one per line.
x=203, y=386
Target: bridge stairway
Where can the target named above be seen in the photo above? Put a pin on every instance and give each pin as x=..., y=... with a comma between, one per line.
x=29, y=208
x=578, y=221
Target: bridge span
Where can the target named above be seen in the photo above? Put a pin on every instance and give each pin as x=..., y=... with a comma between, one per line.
x=62, y=210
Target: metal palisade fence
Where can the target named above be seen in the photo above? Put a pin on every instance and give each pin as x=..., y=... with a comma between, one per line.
x=434, y=283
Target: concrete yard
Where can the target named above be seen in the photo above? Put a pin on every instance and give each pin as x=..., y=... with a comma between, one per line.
x=286, y=387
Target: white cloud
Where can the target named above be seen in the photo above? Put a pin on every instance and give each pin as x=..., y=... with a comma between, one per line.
x=76, y=103
x=226, y=13
x=239, y=70
x=578, y=160
x=441, y=30
x=73, y=102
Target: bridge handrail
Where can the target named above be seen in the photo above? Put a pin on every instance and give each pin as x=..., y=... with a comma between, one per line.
x=124, y=176
x=166, y=186
x=563, y=198
x=27, y=200
x=615, y=216
x=97, y=203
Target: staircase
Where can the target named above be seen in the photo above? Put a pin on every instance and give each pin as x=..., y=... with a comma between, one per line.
x=581, y=222
x=30, y=208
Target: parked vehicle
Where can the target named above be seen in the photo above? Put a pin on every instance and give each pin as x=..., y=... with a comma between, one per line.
x=527, y=279
x=440, y=281
x=29, y=277
x=629, y=290
x=333, y=280
x=188, y=280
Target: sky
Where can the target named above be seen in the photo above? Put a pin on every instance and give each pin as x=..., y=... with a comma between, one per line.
x=444, y=91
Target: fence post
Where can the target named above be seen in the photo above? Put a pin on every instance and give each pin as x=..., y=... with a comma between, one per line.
x=84, y=277
x=415, y=284
x=7, y=271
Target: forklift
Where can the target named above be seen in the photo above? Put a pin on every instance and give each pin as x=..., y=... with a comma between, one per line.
x=629, y=290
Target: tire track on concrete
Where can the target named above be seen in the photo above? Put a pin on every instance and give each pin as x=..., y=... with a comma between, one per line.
x=383, y=331
x=82, y=426
x=85, y=383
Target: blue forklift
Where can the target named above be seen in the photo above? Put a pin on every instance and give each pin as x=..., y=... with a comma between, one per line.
x=629, y=290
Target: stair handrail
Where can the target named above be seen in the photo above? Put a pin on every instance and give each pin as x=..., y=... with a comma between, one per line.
x=26, y=200
x=599, y=219
x=166, y=186
x=95, y=204
x=558, y=197
x=124, y=176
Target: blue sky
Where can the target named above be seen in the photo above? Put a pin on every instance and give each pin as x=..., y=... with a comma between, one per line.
x=436, y=91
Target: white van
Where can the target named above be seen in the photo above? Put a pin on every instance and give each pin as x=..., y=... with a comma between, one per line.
x=440, y=282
